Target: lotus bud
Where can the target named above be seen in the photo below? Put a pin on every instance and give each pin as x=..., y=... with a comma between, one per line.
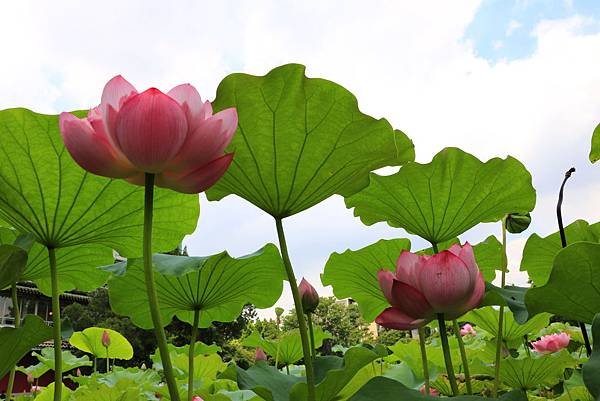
x=260, y=355
x=516, y=223
x=309, y=296
x=78, y=372
x=279, y=311
x=105, y=339
x=143, y=367
x=30, y=378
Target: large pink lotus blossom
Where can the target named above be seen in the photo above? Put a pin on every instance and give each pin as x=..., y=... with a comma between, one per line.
x=467, y=329
x=448, y=282
x=551, y=343
x=174, y=136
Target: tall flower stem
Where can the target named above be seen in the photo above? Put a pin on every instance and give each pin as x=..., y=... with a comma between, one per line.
x=310, y=376
x=159, y=331
x=313, y=351
x=500, y=335
x=107, y=361
x=424, y=361
x=17, y=313
x=447, y=356
x=563, y=241
x=463, y=356
x=56, y=326
x=191, y=355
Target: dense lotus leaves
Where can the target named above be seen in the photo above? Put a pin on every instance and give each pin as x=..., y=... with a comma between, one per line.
x=90, y=341
x=353, y=274
x=47, y=394
x=571, y=290
x=130, y=384
x=539, y=252
x=591, y=370
x=385, y=389
x=69, y=361
x=18, y=342
x=487, y=319
x=595, y=149
x=266, y=381
x=336, y=378
x=12, y=264
x=410, y=354
x=443, y=199
x=45, y=193
x=301, y=140
x=531, y=371
x=218, y=286
x=290, y=345
x=36, y=371
x=206, y=362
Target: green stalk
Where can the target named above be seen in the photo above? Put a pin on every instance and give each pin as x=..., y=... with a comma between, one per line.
x=17, y=313
x=191, y=354
x=310, y=376
x=447, y=356
x=313, y=351
x=56, y=326
x=107, y=361
x=277, y=356
x=463, y=356
x=500, y=335
x=159, y=331
x=424, y=361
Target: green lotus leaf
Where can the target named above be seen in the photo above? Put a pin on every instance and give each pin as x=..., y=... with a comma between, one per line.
x=45, y=193
x=595, y=149
x=16, y=343
x=571, y=290
x=47, y=394
x=385, y=389
x=131, y=384
x=36, y=371
x=90, y=341
x=539, y=253
x=410, y=354
x=531, y=371
x=218, y=286
x=12, y=264
x=266, y=381
x=443, y=199
x=301, y=140
x=591, y=370
x=290, y=345
x=353, y=273
x=69, y=361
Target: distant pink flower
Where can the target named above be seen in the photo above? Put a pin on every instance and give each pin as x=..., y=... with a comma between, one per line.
x=432, y=391
x=174, y=136
x=35, y=389
x=197, y=398
x=467, y=329
x=259, y=355
x=551, y=343
x=105, y=339
x=423, y=286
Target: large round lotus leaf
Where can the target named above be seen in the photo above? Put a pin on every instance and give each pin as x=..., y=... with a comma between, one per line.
x=301, y=140
x=69, y=361
x=591, y=370
x=218, y=286
x=442, y=199
x=90, y=341
x=539, y=252
x=572, y=289
x=45, y=193
x=487, y=319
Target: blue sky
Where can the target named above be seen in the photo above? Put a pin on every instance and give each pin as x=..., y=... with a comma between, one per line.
x=491, y=77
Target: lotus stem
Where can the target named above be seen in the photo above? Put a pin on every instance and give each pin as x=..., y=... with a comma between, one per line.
x=159, y=331
x=56, y=326
x=17, y=313
x=463, y=356
x=107, y=361
x=191, y=354
x=500, y=335
x=311, y=333
x=563, y=240
x=424, y=361
x=447, y=356
x=310, y=376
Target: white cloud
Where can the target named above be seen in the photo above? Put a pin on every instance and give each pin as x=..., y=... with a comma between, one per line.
x=513, y=25
x=402, y=60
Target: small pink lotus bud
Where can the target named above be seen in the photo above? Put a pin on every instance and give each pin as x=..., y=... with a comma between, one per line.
x=106, y=339
x=30, y=378
x=310, y=298
x=432, y=391
x=467, y=329
x=197, y=398
x=260, y=355
x=551, y=343
x=78, y=372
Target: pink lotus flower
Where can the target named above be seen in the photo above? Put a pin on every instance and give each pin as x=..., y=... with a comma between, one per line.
x=259, y=355
x=467, y=329
x=551, y=343
x=448, y=282
x=105, y=339
x=174, y=136
x=433, y=392
x=197, y=398
x=310, y=297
